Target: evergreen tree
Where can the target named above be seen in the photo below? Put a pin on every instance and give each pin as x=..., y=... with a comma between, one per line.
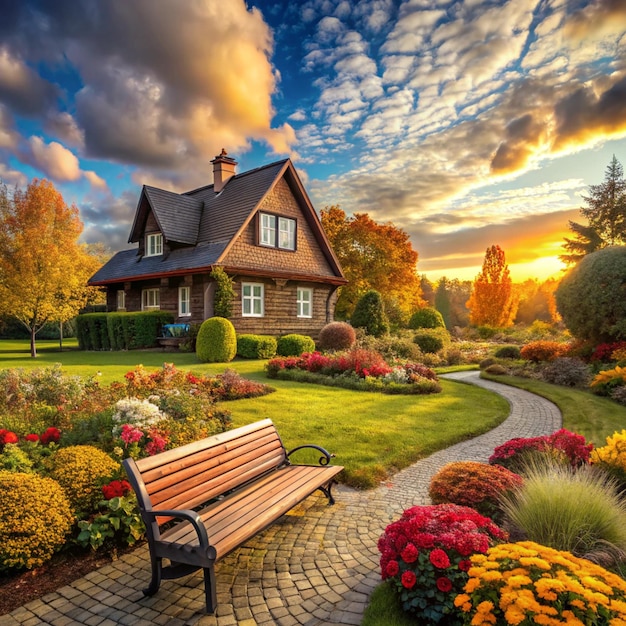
x=605, y=212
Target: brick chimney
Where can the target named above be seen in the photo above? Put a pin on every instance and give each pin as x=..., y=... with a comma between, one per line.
x=223, y=169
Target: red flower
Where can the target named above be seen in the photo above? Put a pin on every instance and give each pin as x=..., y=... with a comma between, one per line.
x=410, y=553
x=409, y=579
x=392, y=568
x=116, y=489
x=7, y=436
x=51, y=435
x=444, y=584
x=32, y=437
x=439, y=558
x=464, y=565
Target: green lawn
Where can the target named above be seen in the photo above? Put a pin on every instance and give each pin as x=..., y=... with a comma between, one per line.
x=372, y=435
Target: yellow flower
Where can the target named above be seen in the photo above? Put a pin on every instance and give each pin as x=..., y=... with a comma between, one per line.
x=491, y=576
x=571, y=619
x=596, y=584
x=514, y=616
x=462, y=601
x=534, y=561
x=518, y=581
x=485, y=607
x=471, y=585
x=476, y=571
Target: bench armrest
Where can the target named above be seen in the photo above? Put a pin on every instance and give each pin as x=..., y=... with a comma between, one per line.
x=185, y=514
x=323, y=460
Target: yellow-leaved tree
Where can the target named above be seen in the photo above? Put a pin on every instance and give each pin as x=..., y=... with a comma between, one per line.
x=492, y=301
x=43, y=268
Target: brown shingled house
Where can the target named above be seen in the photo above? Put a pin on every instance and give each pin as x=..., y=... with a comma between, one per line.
x=259, y=226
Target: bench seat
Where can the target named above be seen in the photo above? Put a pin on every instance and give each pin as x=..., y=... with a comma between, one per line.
x=203, y=500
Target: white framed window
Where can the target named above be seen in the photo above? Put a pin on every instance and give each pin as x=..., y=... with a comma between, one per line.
x=305, y=302
x=150, y=299
x=154, y=244
x=277, y=232
x=252, y=295
x=268, y=230
x=286, y=233
x=121, y=300
x=184, y=301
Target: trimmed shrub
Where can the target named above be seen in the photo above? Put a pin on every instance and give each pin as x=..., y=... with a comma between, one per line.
x=427, y=317
x=256, y=346
x=216, y=341
x=542, y=351
x=496, y=369
x=431, y=340
x=92, y=331
x=369, y=314
x=567, y=372
x=35, y=521
x=469, y=483
x=485, y=363
x=294, y=345
x=337, y=336
x=81, y=471
x=508, y=352
x=224, y=293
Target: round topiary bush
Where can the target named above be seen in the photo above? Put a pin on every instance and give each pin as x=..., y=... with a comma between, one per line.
x=590, y=297
x=567, y=372
x=35, y=519
x=427, y=317
x=431, y=340
x=216, y=341
x=81, y=471
x=337, y=336
x=508, y=352
x=294, y=345
x=496, y=369
x=369, y=314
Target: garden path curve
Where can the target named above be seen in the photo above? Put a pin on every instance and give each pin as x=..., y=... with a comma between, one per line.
x=316, y=566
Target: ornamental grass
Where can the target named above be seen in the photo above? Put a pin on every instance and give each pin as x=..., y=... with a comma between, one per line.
x=579, y=511
x=528, y=583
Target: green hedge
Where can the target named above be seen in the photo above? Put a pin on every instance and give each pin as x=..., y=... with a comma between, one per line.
x=120, y=331
x=294, y=345
x=256, y=346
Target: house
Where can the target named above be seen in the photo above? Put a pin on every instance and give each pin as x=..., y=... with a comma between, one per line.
x=259, y=226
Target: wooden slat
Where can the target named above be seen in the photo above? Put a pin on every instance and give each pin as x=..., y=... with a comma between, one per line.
x=238, y=517
x=168, y=456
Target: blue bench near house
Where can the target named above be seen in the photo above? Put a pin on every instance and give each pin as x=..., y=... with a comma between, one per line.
x=175, y=330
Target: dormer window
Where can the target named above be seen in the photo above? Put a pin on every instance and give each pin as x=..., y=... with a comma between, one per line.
x=154, y=244
x=277, y=232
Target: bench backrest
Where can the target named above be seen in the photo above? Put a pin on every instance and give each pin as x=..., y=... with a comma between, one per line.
x=190, y=475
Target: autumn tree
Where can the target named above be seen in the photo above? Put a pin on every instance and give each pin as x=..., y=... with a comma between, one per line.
x=43, y=268
x=605, y=212
x=492, y=301
x=536, y=301
x=373, y=256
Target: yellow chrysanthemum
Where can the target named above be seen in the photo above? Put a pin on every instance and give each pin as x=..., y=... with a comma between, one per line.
x=486, y=606
x=471, y=585
x=533, y=561
x=597, y=585
x=491, y=576
x=514, y=616
x=519, y=581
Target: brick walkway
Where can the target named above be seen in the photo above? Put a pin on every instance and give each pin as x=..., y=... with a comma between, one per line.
x=315, y=566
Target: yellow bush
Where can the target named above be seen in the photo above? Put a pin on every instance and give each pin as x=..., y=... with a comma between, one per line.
x=81, y=470
x=35, y=518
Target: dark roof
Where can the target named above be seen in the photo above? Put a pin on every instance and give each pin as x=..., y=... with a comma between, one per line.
x=128, y=265
x=178, y=215
x=202, y=224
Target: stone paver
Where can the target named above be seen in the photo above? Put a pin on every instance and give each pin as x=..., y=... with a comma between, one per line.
x=316, y=566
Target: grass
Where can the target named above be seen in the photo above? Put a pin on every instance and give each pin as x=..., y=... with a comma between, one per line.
x=373, y=435
x=580, y=512
x=583, y=412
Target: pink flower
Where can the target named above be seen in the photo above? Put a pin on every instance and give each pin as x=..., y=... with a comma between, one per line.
x=410, y=553
x=131, y=434
x=409, y=579
x=444, y=584
x=439, y=558
x=156, y=445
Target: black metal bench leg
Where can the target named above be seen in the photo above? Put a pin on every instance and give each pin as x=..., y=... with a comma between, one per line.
x=210, y=589
x=155, y=583
x=327, y=491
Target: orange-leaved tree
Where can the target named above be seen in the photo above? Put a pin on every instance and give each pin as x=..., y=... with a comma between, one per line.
x=491, y=302
x=43, y=268
x=373, y=256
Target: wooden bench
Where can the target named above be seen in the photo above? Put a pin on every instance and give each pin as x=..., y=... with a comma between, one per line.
x=204, y=499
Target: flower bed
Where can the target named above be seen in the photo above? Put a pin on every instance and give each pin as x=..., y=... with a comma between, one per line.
x=425, y=556
x=357, y=369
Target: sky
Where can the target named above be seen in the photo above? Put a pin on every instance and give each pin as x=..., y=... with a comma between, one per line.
x=467, y=123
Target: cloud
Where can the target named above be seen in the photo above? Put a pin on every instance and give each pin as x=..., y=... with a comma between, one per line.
x=95, y=180
x=110, y=219
x=156, y=96
x=56, y=161
x=12, y=177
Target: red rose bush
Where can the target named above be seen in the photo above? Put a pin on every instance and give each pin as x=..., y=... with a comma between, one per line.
x=425, y=555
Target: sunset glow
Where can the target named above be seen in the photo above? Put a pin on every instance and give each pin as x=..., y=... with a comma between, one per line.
x=467, y=124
